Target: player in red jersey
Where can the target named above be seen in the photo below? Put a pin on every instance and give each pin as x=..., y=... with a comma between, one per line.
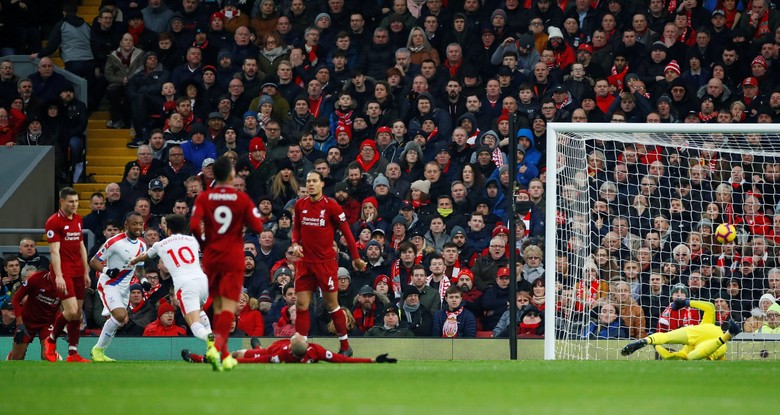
x=71, y=273
x=315, y=221
x=36, y=303
x=293, y=350
x=218, y=218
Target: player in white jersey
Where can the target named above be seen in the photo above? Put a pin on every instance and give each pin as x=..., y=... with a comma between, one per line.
x=112, y=262
x=179, y=253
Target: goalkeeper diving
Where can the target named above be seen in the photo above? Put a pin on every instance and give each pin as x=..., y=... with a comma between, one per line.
x=703, y=341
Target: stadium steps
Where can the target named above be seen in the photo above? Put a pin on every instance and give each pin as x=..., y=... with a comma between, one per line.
x=88, y=10
x=107, y=155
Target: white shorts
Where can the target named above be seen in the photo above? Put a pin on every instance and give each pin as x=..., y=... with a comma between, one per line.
x=192, y=294
x=112, y=296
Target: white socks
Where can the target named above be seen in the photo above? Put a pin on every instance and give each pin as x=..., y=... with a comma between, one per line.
x=107, y=334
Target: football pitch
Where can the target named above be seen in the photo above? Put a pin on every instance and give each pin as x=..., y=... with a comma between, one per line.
x=409, y=387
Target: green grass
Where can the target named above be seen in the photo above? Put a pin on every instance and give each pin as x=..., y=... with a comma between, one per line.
x=410, y=387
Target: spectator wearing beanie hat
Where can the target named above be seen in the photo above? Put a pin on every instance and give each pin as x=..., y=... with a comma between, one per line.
x=349, y=149
x=256, y=169
x=674, y=67
x=370, y=161
x=564, y=54
x=389, y=203
x=420, y=199
x=369, y=216
x=414, y=315
x=471, y=295
x=164, y=325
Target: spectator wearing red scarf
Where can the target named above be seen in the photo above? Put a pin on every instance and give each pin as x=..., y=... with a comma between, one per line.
x=368, y=312
x=369, y=159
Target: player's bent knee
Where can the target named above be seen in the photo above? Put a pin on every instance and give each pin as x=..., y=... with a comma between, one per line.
x=120, y=315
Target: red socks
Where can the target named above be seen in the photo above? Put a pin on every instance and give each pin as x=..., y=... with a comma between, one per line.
x=59, y=326
x=340, y=323
x=302, y=322
x=74, y=332
x=221, y=329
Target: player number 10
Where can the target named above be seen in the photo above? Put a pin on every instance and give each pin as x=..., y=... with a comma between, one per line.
x=184, y=255
x=223, y=216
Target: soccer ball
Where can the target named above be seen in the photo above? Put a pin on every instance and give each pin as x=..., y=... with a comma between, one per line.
x=725, y=233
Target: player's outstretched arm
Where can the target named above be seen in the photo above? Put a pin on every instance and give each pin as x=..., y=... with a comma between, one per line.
x=708, y=308
x=140, y=258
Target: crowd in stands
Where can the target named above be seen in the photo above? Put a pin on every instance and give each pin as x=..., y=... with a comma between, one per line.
x=407, y=108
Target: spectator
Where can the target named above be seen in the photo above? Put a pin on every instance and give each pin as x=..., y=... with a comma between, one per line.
x=73, y=37
x=390, y=326
x=607, y=326
x=454, y=320
x=249, y=318
x=164, y=325
x=28, y=255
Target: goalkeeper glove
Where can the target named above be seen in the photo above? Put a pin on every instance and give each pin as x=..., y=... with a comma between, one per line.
x=146, y=284
x=20, y=334
x=734, y=328
x=112, y=272
x=680, y=303
x=382, y=358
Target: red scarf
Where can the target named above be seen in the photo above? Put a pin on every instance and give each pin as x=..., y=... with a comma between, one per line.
x=763, y=26
x=362, y=320
x=344, y=118
x=312, y=53
x=416, y=204
x=136, y=32
x=705, y=118
x=314, y=106
x=366, y=166
x=452, y=68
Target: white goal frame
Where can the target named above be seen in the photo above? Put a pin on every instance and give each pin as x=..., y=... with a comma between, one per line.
x=553, y=129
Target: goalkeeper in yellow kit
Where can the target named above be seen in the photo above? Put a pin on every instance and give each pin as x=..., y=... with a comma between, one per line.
x=703, y=341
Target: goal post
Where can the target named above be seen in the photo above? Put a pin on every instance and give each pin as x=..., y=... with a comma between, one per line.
x=619, y=193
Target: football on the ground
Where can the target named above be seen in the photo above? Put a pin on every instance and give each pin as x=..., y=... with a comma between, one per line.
x=725, y=233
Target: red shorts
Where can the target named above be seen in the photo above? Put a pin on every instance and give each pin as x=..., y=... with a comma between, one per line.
x=39, y=331
x=312, y=275
x=76, y=288
x=228, y=284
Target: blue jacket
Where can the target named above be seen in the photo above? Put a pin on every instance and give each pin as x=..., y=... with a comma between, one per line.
x=196, y=153
x=532, y=155
x=614, y=331
x=467, y=323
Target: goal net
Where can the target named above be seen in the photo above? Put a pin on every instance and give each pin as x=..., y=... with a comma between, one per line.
x=637, y=209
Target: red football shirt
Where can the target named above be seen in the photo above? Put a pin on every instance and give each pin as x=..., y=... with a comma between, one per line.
x=68, y=233
x=314, y=228
x=42, y=300
x=223, y=212
x=279, y=352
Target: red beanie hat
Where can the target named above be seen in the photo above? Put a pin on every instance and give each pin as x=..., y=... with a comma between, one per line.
x=673, y=66
x=341, y=128
x=463, y=272
x=164, y=308
x=383, y=277
x=500, y=229
x=372, y=200
x=257, y=144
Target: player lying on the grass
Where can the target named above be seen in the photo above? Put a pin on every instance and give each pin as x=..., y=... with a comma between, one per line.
x=36, y=303
x=703, y=341
x=293, y=350
x=179, y=253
